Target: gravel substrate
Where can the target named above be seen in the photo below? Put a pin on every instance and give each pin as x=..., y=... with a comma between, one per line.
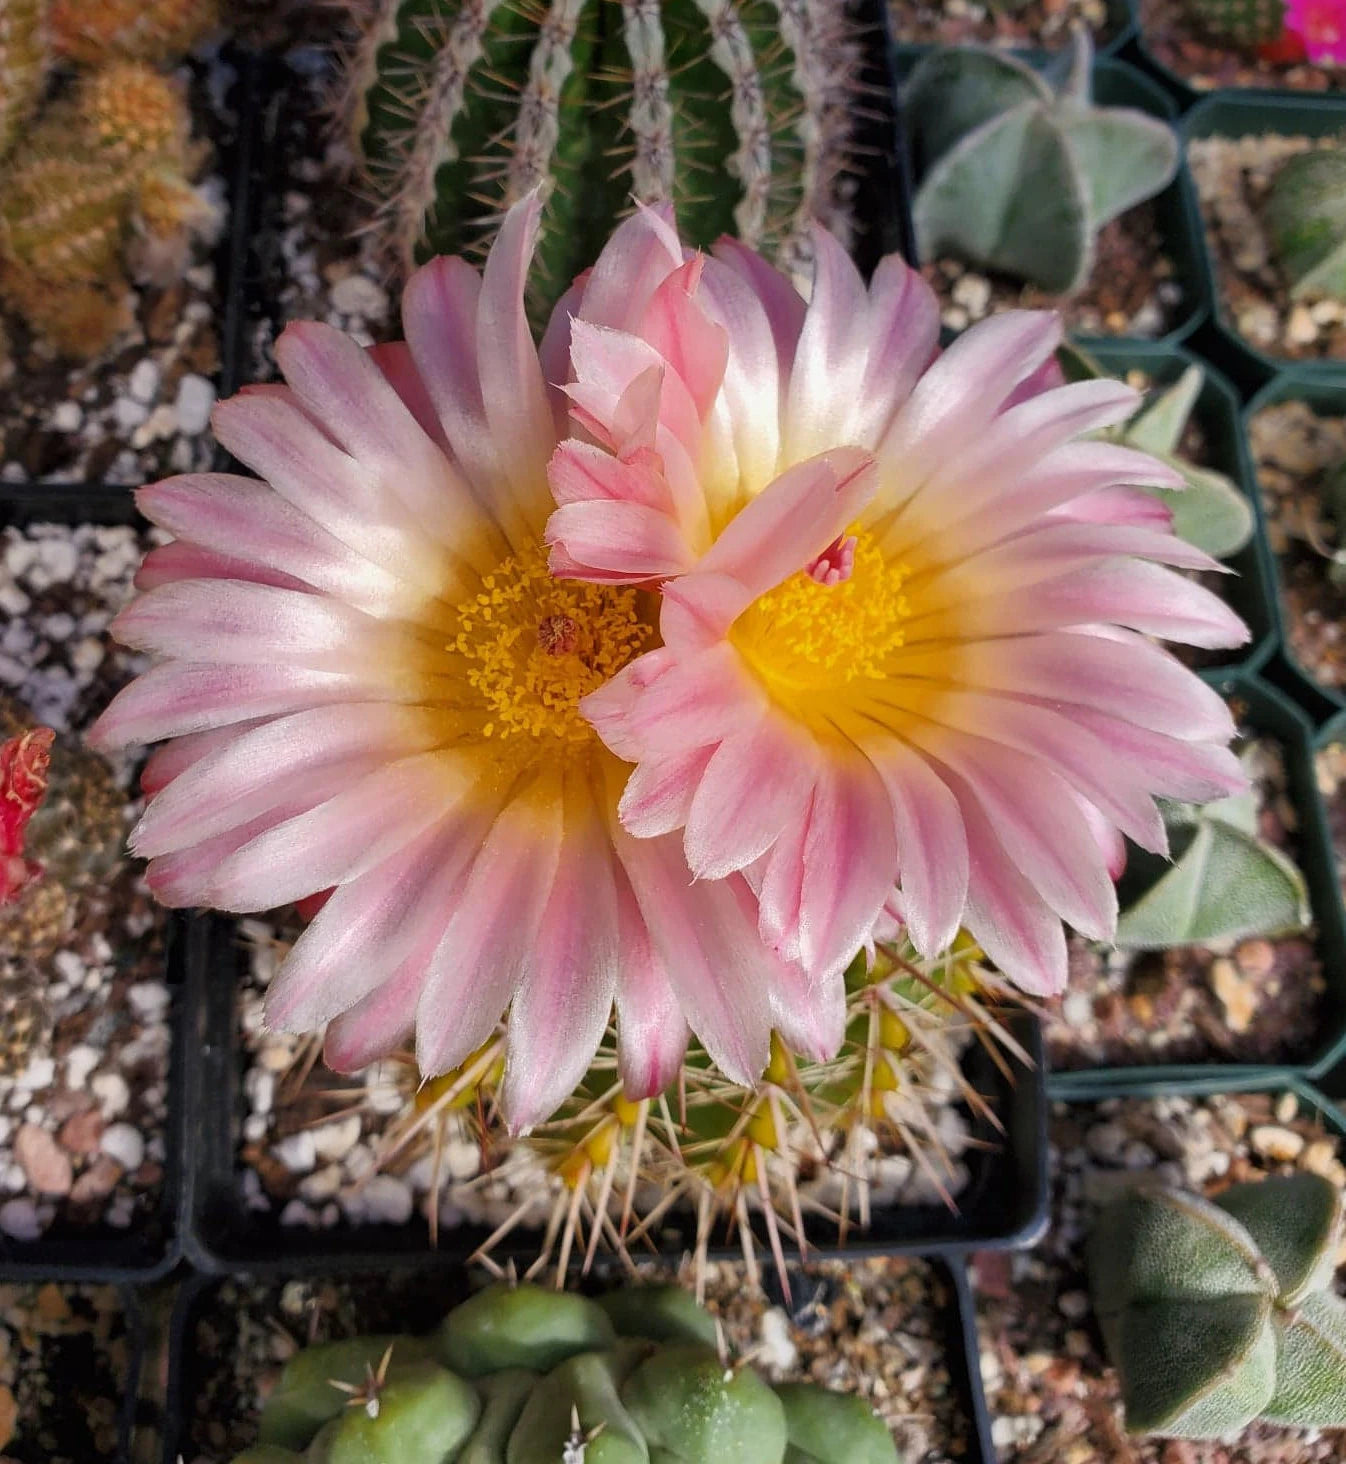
x=1040, y=23
x=63, y=1363
x=312, y=1145
x=140, y=410
x=1233, y=176
x=1171, y=39
x=1053, y=1399
x=1131, y=292
x=873, y=1327
x=1254, y=1001
x=84, y=1007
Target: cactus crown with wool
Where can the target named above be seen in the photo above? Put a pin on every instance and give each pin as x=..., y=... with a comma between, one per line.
x=1020, y=169
x=737, y=111
x=1219, y=1313
x=1245, y=23
x=519, y=1375
x=1305, y=214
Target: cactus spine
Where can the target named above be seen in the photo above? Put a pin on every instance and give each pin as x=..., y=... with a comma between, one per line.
x=734, y=110
x=1305, y=214
x=518, y=1375
x=1216, y=1314
x=1246, y=23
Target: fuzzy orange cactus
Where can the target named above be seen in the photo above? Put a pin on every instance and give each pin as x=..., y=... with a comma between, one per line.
x=92, y=31
x=24, y=764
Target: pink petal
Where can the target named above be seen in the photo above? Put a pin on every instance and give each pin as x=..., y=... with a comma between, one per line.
x=377, y=1024
x=810, y=1015
x=693, y=345
x=699, y=608
x=395, y=361
x=780, y=300
x=1132, y=506
x=903, y=314
x=169, y=563
x=642, y=252
x=651, y=1032
x=174, y=758
x=619, y=543
x=658, y=794
x=1191, y=772
x=580, y=472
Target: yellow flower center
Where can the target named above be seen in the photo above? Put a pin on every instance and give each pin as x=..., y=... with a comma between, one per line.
x=814, y=633
x=534, y=646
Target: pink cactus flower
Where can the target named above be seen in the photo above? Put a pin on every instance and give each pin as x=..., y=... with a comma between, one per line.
x=906, y=612
x=369, y=683
x=25, y=762
x=1321, y=25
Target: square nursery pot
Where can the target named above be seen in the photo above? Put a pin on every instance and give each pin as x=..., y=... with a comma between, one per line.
x=1242, y=114
x=1001, y=1206
x=1115, y=84
x=1099, y=1439
x=1248, y=589
x=149, y=1247
x=1271, y=713
x=1121, y=30
x=1326, y=397
x=431, y=1286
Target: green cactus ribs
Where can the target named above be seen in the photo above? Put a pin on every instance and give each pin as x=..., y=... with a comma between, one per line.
x=735, y=111
x=1021, y=170
x=1305, y=215
x=521, y=1375
x=1219, y=1313
x=1245, y=23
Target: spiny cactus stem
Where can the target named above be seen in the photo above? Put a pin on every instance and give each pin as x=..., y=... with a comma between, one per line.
x=367, y=1394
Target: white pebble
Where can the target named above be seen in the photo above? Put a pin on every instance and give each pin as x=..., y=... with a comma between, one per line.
x=196, y=397
x=336, y=1140
x=462, y=1159
x=18, y=1219
x=86, y=655
x=298, y=1213
x=39, y=1073
x=321, y=1185
x=120, y=1212
x=260, y=1087
x=80, y=1061
x=296, y=1152
x=129, y=414
x=778, y=1352
x=357, y=295
x=112, y=1093
x=67, y=417
x=125, y=1144
x=387, y=1200
x=149, y=999
x=143, y=383
x=13, y=1179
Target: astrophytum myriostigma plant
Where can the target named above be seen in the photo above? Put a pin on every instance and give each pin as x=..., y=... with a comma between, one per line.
x=1219, y=1312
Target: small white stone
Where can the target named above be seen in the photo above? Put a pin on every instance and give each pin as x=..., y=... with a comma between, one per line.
x=260, y=1087
x=777, y=1352
x=1301, y=329
x=124, y=1143
x=335, y=1140
x=161, y=423
x=13, y=1179
x=39, y=1073
x=321, y=1185
x=387, y=1200
x=462, y=1159
x=358, y=295
x=254, y=1129
x=120, y=1212
x=297, y=1213
x=296, y=1152
x=13, y=601
x=80, y=1061
x=143, y=383
x=973, y=293
x=1074, y=1305
x=18, y=1219
x=67, y=417
x=86, y=655
x=129, y=414
x=70, y=967
x=149, y=999
x=192, y=407
x=112, y=1094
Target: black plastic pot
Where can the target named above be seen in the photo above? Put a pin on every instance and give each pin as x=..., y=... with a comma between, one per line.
x=1121, y=22
x=1002, y=1206
x=1327, y=397
x=1269, y=712
x=435, y=1286
x=1241, y=114
x=1116, y=84
x=103, y=1253
x=1248, y=591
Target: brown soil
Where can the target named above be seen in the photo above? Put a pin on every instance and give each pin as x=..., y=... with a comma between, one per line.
x=876, y=1327
x=63, y=1362
x=1041, y=23
x=1256, y=1003
x=1233, y=177
x=1052, y=1396
x=1294, y=449
x=1206, y=64
x=1132, y=290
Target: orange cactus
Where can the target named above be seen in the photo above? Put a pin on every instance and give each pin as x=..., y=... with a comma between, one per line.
x=92, y=31
x=24, y=763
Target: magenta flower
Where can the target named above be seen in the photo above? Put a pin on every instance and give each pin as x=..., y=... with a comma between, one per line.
x=1321, y=25
x=906, y=618
x=370, y=682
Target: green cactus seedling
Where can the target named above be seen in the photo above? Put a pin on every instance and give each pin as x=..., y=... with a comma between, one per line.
x=1244, y=23
x=1305, y=215
x=635, y=1378
x=1219, y=1313
x=1021, y=170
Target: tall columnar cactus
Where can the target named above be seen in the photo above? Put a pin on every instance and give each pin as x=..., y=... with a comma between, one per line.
x=1246, y=23
x=92, y=32
x=1305, y=214
x=517, y=1375
x=1020, y=169
x=736, y=110
x=103, y=187
x=25, y=56
x=1216, y=1314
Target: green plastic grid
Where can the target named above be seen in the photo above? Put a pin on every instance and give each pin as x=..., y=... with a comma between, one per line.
x=1328, y=398
x=1218, y=411
x=1116, y=84
x=1270, y=711
x=1237, y=114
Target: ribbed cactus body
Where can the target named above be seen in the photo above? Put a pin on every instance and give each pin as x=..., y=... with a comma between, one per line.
x=541, y=1377
x=24, y=60
x=1305, y=215
x=94, y=31
x=1240, y=22
x=734, y=110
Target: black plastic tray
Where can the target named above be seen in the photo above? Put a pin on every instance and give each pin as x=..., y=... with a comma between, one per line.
x=439, y=1284
x=1002, y=1206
